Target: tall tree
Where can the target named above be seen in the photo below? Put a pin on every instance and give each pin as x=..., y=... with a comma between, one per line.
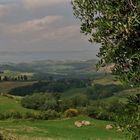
x=115, y=24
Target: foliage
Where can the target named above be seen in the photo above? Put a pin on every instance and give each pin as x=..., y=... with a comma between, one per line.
x=99, y=113
x=53, y=101
x=99, y=91
x=71, y=112
x=115, y=107
x=53, y=85
x=116, y=26
x=129, y=120
x=42, y=101
x=45, y=115
x=79, y=101
x=50, y=115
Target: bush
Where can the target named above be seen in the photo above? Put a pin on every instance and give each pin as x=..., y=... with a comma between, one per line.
x=42, y=101
x=30, y=115
x=50, y=115
x=103, y=115
x=11, y=114
x=99, y=113
x=15, y=115
x=71, y=112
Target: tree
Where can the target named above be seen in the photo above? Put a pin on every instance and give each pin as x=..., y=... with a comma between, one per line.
x=5, y=78
x=115, y=24
x=130, y=120
x=25, y=77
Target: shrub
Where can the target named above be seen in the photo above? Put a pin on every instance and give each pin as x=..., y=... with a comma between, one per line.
x=103, y=115
x=29, y=115
x=42, y=101
x=11, y=114
x=50, y=115
x=15, y=115
x=71, y=112
x=99, y=113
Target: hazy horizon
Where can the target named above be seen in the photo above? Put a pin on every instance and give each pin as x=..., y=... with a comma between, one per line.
x=19, y=57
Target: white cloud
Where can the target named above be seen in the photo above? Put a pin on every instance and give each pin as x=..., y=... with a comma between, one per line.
x=34, y=4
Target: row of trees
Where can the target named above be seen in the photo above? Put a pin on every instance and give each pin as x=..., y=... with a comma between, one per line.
x=17, y=78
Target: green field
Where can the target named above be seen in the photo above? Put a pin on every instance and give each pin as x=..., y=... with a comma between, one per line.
x=59, y=129
x=11, y=103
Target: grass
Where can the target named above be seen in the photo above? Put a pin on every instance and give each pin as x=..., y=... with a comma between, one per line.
x=58, y=129
x=107, y=79
x=5, y=87
x=61, y=129
x=53, y=130
x=8, y=104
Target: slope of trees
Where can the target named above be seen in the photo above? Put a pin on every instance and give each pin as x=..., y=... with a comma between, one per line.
x=51, y=85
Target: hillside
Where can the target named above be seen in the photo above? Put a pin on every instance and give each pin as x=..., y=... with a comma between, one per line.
x=11, y=104
x=62, y=86
x=6, y=86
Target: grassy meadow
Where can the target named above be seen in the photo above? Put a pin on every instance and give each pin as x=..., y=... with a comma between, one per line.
x=11, y=103
x=61, y=129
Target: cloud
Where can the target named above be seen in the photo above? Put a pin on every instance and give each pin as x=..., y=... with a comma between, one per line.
x=34, y=4
x=62, y=33
x=35, y=25
x=5, y=10
x=39, y=25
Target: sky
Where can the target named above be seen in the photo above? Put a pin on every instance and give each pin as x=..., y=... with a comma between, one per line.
x=39, y=26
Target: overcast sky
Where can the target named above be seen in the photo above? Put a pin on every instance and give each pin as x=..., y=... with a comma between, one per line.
x=40, y=25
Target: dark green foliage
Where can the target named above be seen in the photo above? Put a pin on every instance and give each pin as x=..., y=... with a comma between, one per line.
x=42, y=102
x=11, y=115
x=45, y=102
x=79, y=101
x=76, y=101
x=44, y=115
x=50, y=115
x=103, y=91
x=115, y=107
x=129, y=120
x=59, y=85
x=99, y=112
x=104, y=110
x=116, y=26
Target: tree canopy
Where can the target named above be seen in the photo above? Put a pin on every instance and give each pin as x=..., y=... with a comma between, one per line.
x=115, y=24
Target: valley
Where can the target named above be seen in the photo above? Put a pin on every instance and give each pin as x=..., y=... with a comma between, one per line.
x=35, y=108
